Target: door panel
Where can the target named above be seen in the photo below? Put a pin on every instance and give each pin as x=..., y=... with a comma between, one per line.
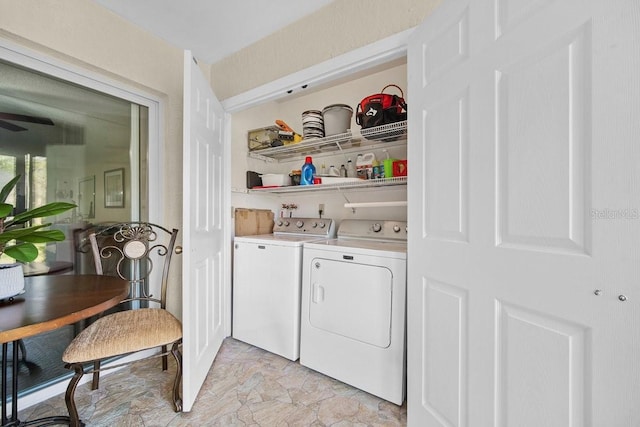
x=444, y=339
x=446, y=169
x=204, y=303
x=542, y=126
x=541, y=364
x=514, y=314
x=449, y=48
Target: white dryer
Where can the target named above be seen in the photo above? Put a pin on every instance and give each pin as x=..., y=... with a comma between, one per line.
x=267, y=280
x=353, y=325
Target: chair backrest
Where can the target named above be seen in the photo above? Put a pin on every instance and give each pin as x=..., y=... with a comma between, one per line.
x=131, y=250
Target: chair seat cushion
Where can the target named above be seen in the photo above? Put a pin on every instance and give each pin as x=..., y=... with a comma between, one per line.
x=124, y=332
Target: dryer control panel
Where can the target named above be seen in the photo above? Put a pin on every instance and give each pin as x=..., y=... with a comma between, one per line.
x=323, y=227
x=373, y=229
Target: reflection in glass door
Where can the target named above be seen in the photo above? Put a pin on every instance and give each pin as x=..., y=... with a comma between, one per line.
x=70, y=144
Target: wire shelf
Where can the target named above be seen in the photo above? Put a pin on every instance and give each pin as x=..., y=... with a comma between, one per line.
x=364, y=183
x=366, y=138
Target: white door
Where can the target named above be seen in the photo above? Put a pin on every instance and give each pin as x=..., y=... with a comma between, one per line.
x=204, y=295
x=524, y=207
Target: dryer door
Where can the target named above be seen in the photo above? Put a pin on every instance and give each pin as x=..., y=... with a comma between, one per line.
x=352, y=300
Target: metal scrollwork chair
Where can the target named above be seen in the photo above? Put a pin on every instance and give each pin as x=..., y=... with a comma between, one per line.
x=130, y=249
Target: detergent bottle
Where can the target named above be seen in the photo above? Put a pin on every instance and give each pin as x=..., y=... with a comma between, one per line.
x=308, y=171
x=376, y=169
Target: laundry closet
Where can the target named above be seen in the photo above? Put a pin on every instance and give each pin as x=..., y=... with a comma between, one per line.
x=333, y=305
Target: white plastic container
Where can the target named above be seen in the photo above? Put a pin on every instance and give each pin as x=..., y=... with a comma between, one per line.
x=337, y=119
x=275, y=180
x=351, y=169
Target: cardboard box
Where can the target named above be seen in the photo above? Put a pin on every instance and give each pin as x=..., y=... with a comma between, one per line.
x=250, y=222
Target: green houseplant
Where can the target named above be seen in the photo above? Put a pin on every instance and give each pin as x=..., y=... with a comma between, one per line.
x=13, y=228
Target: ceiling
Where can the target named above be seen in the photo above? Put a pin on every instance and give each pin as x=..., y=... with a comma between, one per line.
x=212, y=29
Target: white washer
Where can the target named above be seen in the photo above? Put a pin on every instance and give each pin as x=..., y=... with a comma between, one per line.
x=267, y=274
x=353, y=307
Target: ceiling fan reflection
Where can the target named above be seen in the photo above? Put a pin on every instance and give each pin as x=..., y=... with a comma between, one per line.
x=21, y=118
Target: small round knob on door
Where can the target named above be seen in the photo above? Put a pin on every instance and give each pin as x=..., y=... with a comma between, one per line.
x=597, y=292
x=622, y=298
x=178, y=250
x=317, y=265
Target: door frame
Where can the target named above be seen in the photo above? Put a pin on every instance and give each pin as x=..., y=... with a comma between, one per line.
x=37, y=61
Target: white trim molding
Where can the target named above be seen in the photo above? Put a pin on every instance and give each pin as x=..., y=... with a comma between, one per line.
x=371, y=55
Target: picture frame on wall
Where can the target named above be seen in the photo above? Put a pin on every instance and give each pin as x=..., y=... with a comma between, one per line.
x=114, y=188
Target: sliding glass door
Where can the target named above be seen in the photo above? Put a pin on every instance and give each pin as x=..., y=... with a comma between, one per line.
x=70, y=144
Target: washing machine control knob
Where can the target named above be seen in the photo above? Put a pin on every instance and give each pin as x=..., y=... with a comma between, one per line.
x=322, y=225
x=396, y=228
x=299, y=224
x=279, y=223
x=314, y=225
x=286, y=223
x=377, y=227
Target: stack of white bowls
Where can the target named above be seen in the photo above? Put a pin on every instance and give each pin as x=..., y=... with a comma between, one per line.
x=312, y=124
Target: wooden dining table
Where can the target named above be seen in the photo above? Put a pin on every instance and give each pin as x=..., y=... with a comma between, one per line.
x=48, y=303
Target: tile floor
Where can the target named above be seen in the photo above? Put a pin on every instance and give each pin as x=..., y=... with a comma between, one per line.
x=246, y=386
